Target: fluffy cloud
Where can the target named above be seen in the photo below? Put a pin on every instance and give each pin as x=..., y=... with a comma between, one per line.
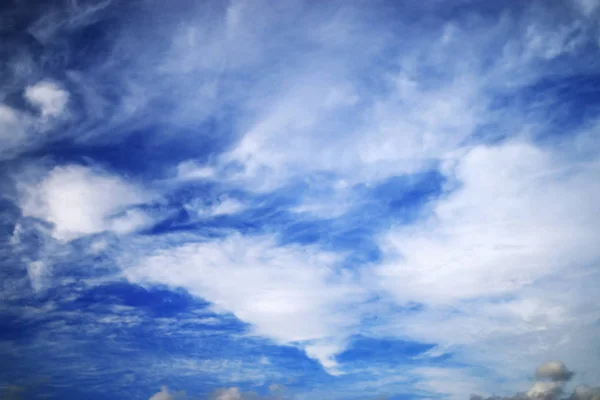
x=292, y=294
x=230, y=393
x=518, y=214
x=556, y=371
x=545, y=390
x=504, y=233
x=48, y=97
x=20, y=129
x=498, y=257
x=162, y=395
x=165, y=394
x=552, y=377
x=80, y=201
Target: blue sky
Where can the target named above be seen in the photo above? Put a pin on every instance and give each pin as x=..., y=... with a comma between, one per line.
x=242, y=200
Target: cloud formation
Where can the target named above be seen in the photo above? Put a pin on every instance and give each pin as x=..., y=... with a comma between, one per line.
x=291, y=294
x=47, y=97
x=552, y=376
x=22, y=130
x=80, y=201
x=556, y=371
x=165, y=394
x=321, y=173
x=229, y=393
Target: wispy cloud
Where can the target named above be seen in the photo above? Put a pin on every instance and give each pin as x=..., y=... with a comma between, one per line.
x=291, y=294
x=255, y=156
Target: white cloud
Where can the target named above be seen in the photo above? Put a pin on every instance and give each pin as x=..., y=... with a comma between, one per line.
x=517, y=216
x=455, y=383
x=223, y=206
x=48, y=97
x=452, y=383
x=189, y=170
x=325, y=352
x=81, y=201
x=232, y=393
x=97, y=246
x=501, y=257
x=553, y=370
x=310, y=128
x=162, y=395
x=226, y=207
x=435, y=99
x=71, y=16
x=165, y=394
x=587, y=7
x=36, y=271
x=545, y=390
x=21, y=130
x=327, y=199
x=130, y=221
x=489, y=265
x=292, y=294
x=229, y=393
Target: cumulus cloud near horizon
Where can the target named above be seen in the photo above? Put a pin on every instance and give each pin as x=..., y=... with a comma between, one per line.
x=276, y=392
x=551, y=379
